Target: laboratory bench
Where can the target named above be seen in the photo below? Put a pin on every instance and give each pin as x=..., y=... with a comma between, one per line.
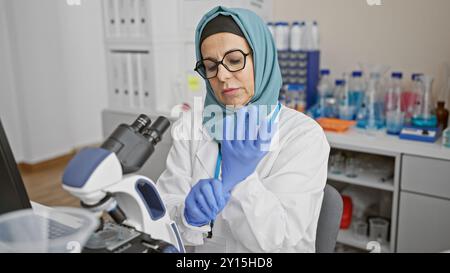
x=417, y=192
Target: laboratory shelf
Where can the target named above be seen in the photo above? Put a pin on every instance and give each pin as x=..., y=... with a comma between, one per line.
x=365, y=179
x=347, y=237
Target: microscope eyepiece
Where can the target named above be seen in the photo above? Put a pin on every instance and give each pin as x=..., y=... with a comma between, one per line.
x=154, y=132
x=141, y=123
x=134, y=144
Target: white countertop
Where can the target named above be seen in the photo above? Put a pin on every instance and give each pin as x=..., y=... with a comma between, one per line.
x=381, y=143
x=359, y=140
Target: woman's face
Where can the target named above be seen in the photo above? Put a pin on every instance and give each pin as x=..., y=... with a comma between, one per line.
x=231, y=88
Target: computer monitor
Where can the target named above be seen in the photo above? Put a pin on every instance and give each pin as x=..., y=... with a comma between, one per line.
x=13, y=195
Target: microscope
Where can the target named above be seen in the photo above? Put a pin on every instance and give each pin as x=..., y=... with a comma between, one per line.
x=102, y=178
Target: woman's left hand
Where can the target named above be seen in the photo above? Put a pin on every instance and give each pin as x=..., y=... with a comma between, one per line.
x=244, y=145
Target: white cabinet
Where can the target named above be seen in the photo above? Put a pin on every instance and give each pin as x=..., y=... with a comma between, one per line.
x=426, y=175
x=424, y=224
x=424, y=215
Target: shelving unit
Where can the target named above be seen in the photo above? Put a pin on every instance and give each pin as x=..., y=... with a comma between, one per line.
x=150, y=51
x=357, y=142
x=369, y=180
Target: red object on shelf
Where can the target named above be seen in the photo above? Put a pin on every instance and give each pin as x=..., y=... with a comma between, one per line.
x=347, y=211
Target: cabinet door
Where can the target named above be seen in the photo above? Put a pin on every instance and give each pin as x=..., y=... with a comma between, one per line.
x=426, y=175
x=424, y=224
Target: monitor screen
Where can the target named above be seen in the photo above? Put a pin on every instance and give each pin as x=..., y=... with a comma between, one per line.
x=13, y=195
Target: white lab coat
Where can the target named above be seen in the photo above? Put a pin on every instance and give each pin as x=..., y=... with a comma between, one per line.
x=276, y=209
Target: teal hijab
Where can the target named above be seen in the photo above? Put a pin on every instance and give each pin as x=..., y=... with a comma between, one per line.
x=267, y=72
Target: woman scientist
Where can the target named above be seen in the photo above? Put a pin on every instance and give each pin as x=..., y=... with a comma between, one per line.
x=231, y=194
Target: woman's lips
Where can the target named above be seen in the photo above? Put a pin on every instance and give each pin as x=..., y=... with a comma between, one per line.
x=230, y=91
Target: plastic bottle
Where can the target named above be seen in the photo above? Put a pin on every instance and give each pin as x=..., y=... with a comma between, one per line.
x=346, y=111
x=357, y=89
x=308, y=43
x=394, y=115
x=409, y=98
x=325, y=86
x=361, y=116
x=325, y=90
x=295, y=37
x=392, y=99
x=315, y=36
x=417, y=91
x=302, y=39
x=282, y=36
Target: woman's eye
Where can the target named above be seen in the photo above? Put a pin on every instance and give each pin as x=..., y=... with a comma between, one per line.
x=211, y=68
x=236, y=61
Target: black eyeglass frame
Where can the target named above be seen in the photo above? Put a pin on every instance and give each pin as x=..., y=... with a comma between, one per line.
x=200, y=63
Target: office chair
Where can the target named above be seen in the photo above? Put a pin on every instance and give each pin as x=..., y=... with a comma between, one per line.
x=329, y=220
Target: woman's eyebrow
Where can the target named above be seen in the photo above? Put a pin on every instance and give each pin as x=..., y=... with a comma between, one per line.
x=234, y=49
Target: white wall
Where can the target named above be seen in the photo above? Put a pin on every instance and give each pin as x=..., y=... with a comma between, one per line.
x=410, y=35
x=39, y=78
x=84, y=61
x=9, y=112
x=58, y=75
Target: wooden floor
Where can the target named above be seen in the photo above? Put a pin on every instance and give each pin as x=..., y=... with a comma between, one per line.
x=44, y=186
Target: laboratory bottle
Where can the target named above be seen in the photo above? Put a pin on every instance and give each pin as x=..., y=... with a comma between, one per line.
x=394, y=114
x=315, y=36
x=442, y=115
x=357, y=88
x=295, y=37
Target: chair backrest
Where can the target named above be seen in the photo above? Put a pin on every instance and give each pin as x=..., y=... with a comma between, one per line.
x=329, y=220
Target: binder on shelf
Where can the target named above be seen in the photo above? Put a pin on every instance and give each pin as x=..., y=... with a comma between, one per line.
x=133, y=18
x=111, y=18
x=143, y=23
x=136, y=90
x=114, y=96
x=125, y=80
x=145, y=81
x=123, y=17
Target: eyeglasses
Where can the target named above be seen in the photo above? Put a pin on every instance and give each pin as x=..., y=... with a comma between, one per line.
x=233, y=61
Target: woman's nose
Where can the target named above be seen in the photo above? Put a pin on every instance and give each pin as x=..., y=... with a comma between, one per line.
x=222, y=73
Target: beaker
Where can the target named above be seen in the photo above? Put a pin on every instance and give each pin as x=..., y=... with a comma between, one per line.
x=394, y=122
x=351, y=167
x=360, y=229
x=49, y=230
x=337, y=163
x=378, y=229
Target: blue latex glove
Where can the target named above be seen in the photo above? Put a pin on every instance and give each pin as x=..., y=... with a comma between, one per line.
x=205, y=200
x=243, y=151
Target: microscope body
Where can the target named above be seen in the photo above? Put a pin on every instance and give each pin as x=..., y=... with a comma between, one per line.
x=102, y=178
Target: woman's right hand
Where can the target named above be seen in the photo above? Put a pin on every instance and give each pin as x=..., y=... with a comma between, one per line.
x=204, y=202
x=242, y=152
